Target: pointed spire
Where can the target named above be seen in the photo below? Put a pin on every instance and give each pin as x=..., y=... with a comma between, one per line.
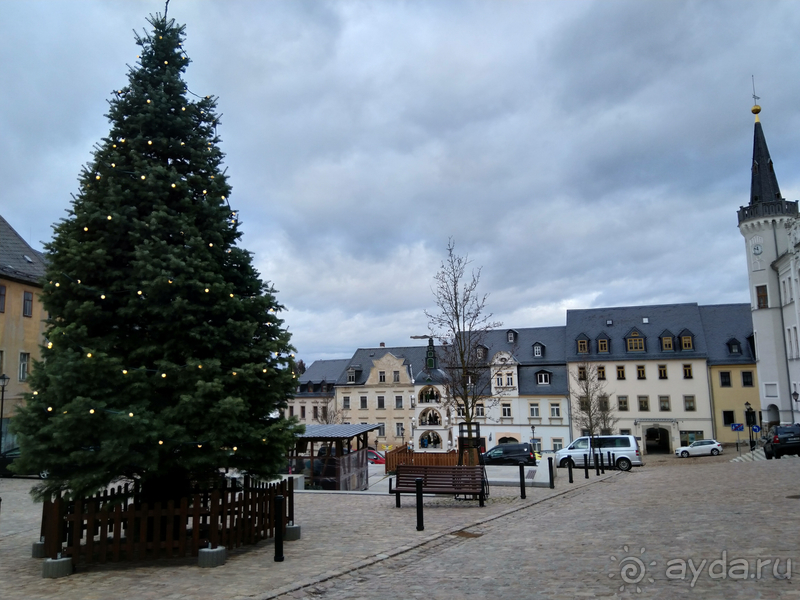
x=763, y=183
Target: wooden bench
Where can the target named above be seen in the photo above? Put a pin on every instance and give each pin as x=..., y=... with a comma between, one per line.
x=439, y=480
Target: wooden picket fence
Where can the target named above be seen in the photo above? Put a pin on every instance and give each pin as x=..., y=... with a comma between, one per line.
x=404, y=456
x=115, y=525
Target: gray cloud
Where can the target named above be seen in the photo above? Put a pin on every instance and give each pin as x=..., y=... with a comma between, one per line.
x=583, y=153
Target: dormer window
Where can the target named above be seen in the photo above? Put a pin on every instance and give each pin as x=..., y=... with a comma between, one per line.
x=510, y=337
x=635, y=342
x=602, y=345
x=543, y=378
x=666, y=344
x=734, y=347
x=479, y=353
x=583, y=346
x=538, y=350
x=686, y=342
x=351, y=376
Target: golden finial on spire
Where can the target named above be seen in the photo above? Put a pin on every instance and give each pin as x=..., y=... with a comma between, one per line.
x=756, y=108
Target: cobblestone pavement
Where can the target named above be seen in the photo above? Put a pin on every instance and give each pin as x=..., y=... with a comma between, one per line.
x=564, y=543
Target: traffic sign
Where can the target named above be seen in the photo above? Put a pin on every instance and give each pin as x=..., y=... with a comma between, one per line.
x=756, y=428
x=737, y=427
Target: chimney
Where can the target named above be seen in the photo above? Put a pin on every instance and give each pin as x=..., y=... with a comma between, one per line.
x=383, y=345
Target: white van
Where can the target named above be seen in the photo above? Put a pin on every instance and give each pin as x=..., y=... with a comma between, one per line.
x=623, y=450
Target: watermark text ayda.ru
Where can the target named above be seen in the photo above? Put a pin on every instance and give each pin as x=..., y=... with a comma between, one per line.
x=635, y=570
x=722, y=568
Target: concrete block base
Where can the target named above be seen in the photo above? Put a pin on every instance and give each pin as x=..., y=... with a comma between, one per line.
x=292, y=533
x=55, y=568
x=212, y=557
x=37, y=550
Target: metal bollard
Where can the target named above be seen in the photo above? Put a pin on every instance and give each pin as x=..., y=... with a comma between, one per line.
x=569, y=470
x=522, y=480
x=279, y=528
x=420, y=524
x=552, y=473
x=586, y=466
x=612, y=464
x=596, y=466
x=602, y=464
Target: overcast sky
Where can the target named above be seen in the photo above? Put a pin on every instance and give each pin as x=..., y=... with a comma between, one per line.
x=582, y=153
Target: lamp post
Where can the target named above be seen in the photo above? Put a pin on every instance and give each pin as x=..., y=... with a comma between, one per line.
x=795, y=396
x=750, y=419
x=3, y=383
x=533, y=436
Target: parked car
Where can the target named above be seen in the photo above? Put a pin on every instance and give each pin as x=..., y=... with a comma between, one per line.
x=9, y=456
x=782, y=440
x=700, y=448
x=510, y=454
x=375, y=458
x=623, y=448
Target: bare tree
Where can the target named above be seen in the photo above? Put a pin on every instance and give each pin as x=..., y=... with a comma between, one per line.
x=330, y=413
x=592, y=410
x=460, y=324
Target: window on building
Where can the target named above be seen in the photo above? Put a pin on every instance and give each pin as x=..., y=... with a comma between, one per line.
x=583, y=403
x=510, y=337
x=382, y=376
x=663, y=403
x=27, y=304
x=602, y=345
x=762, y=300
x=479, y=411
x=351, y=376
x=303, y=413
x=689, y=404
x=666, y=344
x=396, y=376
x=747, y=379
x=602, y=402
x=498, y=380
x=534, y=409
x=324, y=413
x=363, y=402
x=381, y=429
x=640, y=372
x=2, y=298
x=506, y=410
x=399, y=430
x=291, y=410
x=624, y=431
x=622, y=403
x=346, y=403
x=620, y=371
x=537, y=350
x=724, y=379
x=555, y=410
x=582, y=373
x=687, y=343
x=734, y=347
x=509, y=379
x=543, y=378
x=601, y=373
x=635, y=342
x=583, y=346
x=644, y=403
x=662, y=371
x=381, y=402
x=687, y=371
x=728, y=417
x=687, y=437
x=460, y=411
x=398, y=402
x=315, y=411
x=479, y=353
x=24, y=361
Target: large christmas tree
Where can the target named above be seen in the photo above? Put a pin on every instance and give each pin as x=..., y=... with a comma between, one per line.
x=164, y=359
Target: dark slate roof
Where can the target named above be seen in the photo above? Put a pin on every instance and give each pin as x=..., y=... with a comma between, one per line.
x=552, y=338
x=763, y=182
x=723, y=323
x=413, y=357
x=324, y=370
x=18, y=261
x=673, y=317
x=331, y=432
x=528, y=380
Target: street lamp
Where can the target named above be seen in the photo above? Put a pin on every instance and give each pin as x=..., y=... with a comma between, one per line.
x=750, y=419
x=3, y=383
x=533, y=431
x=795, y=396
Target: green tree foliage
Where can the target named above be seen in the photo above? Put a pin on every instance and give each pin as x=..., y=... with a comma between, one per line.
x=165, y=357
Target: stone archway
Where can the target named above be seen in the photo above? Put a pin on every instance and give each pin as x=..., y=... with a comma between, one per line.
x=657, y=440
x=770, y=416
x=507, y=440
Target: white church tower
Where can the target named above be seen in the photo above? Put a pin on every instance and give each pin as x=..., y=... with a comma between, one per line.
x=766, y=224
